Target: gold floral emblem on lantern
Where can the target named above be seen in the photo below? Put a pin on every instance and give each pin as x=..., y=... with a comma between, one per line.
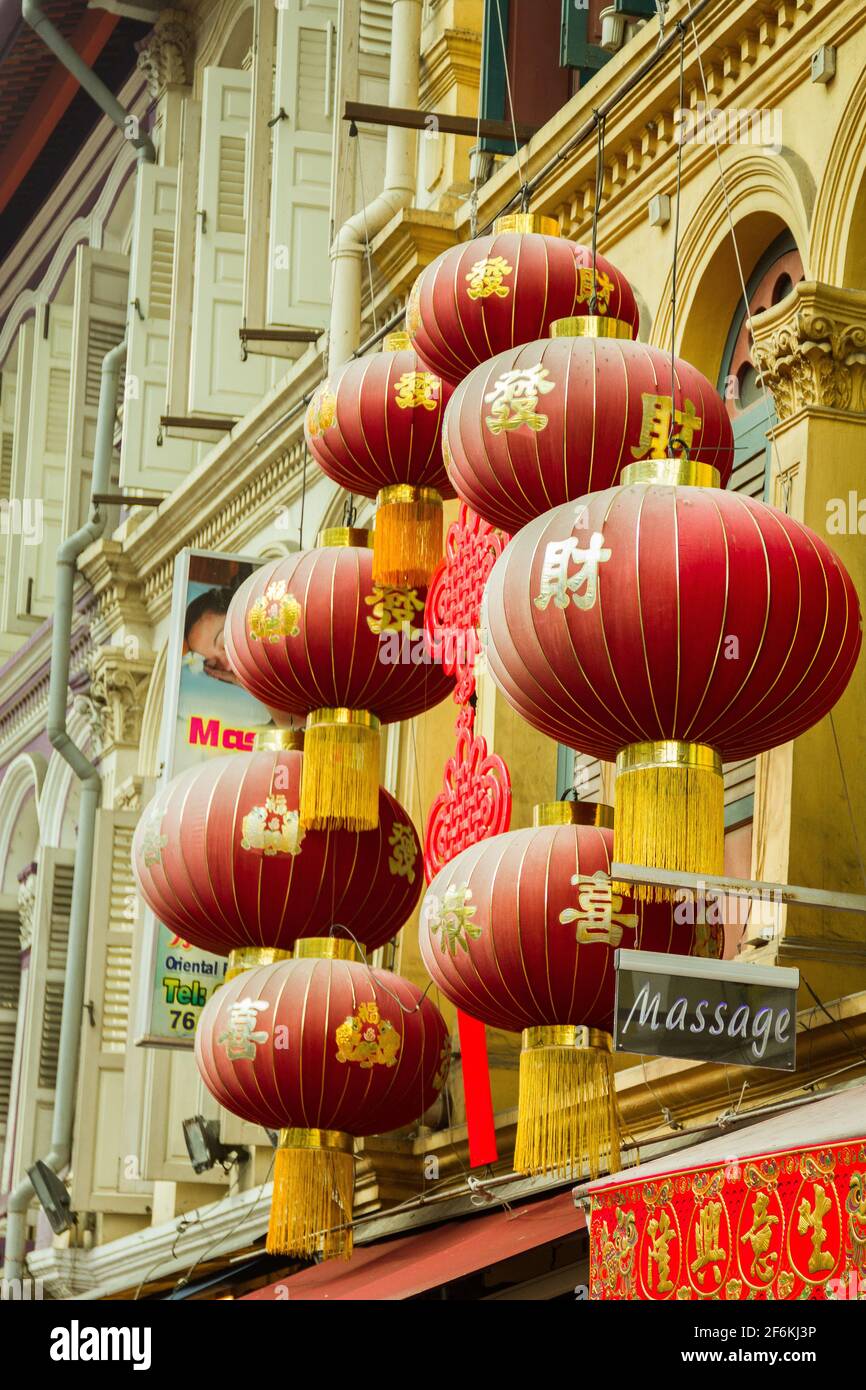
x=486, y=276
x=417, y=388
x=272, y=828
x=413, y=309
x=276, y=614
x=368, y=1039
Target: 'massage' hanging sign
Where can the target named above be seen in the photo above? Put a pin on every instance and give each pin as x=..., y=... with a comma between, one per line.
x=706, y=1010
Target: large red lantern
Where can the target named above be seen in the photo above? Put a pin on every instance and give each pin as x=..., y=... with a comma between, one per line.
x=671, y=626
x=498, y=291
x=313, y=635
x=545, y=423
x=222, y=859
x=321, y=1050
x=375, y=427
x=520, y=931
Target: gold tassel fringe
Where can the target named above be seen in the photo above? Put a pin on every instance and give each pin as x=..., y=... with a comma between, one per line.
x=407, y=540
x=670, y=813
x=567, y=1118
x=311, y=1208
x=340, y=777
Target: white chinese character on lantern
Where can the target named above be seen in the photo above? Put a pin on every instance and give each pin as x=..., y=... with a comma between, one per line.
x=580, y=588
x=514, y=399
x=241, y=1037
x=599, y=914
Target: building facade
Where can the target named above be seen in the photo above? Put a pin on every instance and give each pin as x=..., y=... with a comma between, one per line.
x=238, y=234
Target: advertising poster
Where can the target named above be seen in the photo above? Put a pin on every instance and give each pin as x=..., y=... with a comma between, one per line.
x=207, y=714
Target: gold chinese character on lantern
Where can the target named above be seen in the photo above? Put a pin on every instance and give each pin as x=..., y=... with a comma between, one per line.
x=405, y=847
x=655, y=430
x=486, y=276
x=599, y=914
x=811, y=1222
x=661, y=1234
x=759, y=1236
x=393, y=610
x=276, y=614
x=709, y=1252
x=368, y=1039
x=241, y=1037
x=417, y=388
x=514, y=399
x=603, y=288
x=580, y=588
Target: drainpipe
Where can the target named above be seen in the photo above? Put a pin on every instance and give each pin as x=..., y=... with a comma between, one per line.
x=58, y=693
x=85, y=76
x=350, y=243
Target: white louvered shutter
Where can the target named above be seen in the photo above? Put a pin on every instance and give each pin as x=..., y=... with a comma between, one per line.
x=365, y=52
x=98, y=320
x=10, y=981
x=8, y=384
x=44, y=1008
x=142, y=463
x=47, y=435
x=305, y=89
x=11, y=617
x=258, y=172
x=98, y=1154
x=220, y=383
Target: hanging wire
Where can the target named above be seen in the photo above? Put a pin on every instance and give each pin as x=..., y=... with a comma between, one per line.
x=303, y=498
x=524, y=186
x=596, y=207
x=340, y=926
x=674, y=264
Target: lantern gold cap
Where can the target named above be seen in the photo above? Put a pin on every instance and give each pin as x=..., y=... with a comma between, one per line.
x=684, y=472
x=672, y=752
x=565, y=1035
x=526, y=222
x=396, y=341
x=345, y=536
x=326, y=948
x=590, y=326
x=248, y=957
x=573, y=813
x=272, y=739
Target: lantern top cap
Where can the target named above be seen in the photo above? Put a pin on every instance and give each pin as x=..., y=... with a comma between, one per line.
x=684, y=472
x=249, y=957
x=344, y=536
x=396, y=341
x=326, y=948
x=273, y=739
x=573, y=813
x=590, y=326
x=526, y=222
x=575, y=1035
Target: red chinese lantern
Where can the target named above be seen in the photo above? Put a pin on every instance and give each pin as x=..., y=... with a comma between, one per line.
x=313, y=635
x=548, y=422
x=321, y=1050
x=520, y=931
x=222, y=859
x=375, y=427
x=496, y=292
x=671, y=626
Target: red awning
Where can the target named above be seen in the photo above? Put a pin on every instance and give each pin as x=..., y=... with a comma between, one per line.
x=410, y=1265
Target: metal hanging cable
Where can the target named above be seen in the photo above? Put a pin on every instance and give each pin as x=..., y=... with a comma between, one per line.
x=675, y=260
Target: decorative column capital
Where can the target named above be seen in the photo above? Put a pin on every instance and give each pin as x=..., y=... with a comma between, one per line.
x=118, y=688
x=165, y=55
x=811, y=349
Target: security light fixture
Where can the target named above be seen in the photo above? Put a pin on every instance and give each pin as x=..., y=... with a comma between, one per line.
x=206, y=1149
x=53, y=1197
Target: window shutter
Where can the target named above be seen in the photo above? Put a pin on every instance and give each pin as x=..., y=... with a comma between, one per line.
x=43, y=1008
x=11, y=618
x=220, y=383
x=99, y=1150
x=45, y=470
x=142, y=463
x=7, y=445
x=98, y=320
x=305, y=88
x=10, y=981
x=362, y=73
